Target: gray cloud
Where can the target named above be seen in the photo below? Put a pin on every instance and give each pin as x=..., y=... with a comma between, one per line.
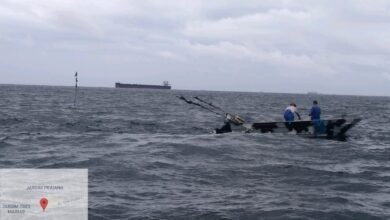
x=275, y=46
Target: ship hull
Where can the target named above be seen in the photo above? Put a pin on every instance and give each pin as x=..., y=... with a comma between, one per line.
x=140, y=86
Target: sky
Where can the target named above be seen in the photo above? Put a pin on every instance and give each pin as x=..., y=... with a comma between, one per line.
x=289, y=46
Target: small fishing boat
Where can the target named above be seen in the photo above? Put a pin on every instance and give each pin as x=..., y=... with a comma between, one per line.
x=329, y=128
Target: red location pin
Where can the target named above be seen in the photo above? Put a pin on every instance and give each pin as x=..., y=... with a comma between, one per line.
x=44, y=202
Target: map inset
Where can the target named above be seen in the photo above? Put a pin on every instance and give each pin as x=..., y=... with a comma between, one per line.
x=33, y=194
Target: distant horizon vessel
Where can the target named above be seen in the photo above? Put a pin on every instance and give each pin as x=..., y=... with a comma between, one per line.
x=165, y=85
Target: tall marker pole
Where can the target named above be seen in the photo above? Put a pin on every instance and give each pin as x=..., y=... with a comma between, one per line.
x=75, y=90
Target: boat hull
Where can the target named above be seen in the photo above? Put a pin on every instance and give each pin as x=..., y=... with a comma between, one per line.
x=332, y=128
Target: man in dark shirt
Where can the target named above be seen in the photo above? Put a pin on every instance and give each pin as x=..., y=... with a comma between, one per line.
x=315, y=111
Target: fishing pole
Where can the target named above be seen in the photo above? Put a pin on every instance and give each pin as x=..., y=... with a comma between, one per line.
x=198, y=104
x=229, y=116
x=209, y=103
x=235, y=119
x=75, y=90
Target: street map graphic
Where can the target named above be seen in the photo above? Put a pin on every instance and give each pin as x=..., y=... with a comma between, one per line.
x=33, y=194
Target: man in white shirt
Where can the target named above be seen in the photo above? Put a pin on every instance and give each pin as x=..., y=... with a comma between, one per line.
x=290, y=111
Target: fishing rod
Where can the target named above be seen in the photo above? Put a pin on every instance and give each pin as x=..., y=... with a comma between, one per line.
x=208, y=103
x=198, y=104
x=235, y=119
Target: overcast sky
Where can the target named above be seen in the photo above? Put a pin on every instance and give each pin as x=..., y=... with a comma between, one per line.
x=337, y=47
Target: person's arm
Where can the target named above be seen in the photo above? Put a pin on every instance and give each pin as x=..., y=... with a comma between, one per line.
x=311, y=111
x=299, y=117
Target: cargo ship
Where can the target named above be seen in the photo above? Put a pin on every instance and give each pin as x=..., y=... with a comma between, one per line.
x=165, y=85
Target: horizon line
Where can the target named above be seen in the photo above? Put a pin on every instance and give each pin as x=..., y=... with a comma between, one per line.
x=204, y=90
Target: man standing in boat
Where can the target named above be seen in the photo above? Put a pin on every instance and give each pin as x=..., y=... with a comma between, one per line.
x=290, y=112
x=315, y=111
x=315, y=114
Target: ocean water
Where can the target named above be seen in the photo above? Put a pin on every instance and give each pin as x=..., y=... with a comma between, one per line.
x=150, y=155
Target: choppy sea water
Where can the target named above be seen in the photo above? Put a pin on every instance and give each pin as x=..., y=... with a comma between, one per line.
x=150, y=155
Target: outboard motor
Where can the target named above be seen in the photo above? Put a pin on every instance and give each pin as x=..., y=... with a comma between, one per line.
x=230, y=119
x=235, y=119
